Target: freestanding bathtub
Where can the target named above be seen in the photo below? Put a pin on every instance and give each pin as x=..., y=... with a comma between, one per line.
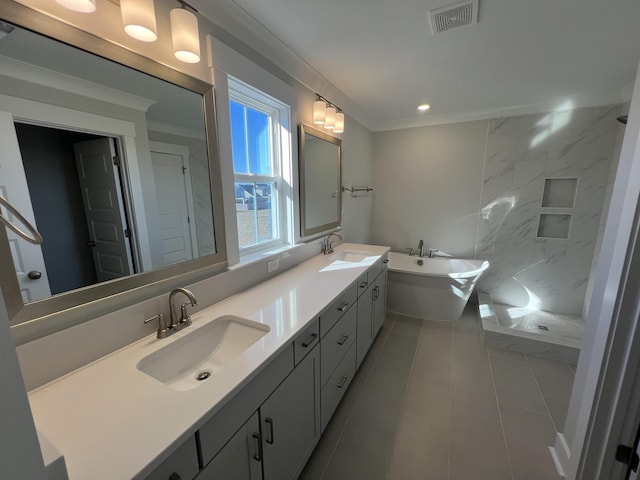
x=434, y=288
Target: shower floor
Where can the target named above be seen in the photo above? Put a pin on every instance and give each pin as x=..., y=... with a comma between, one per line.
x=545, y=334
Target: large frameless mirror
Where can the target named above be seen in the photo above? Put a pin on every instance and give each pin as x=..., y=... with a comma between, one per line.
x=320, y=181
x=117, y=168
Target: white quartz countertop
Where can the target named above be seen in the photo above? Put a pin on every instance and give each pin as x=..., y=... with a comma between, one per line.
x=112, y=421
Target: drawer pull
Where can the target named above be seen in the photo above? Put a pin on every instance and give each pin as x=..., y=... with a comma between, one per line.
x=311, y=339
x=175, y=476
x=364, y=284
x=386, y=260
x=376, y=293
x=343, y=380
x=269, y=421
x=258, y=455
x=344, y=338
x=343, y=307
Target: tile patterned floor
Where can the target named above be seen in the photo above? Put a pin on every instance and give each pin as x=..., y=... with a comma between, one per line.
x=431, y=402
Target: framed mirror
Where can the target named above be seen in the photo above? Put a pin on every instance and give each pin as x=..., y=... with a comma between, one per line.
x=115, y=158
x=320, y=181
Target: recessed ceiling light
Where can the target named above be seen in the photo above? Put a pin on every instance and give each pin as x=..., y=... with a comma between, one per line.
x=424, y=107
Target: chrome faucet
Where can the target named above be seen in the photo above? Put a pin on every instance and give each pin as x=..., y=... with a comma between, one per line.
x=327, y=246
x=185, y=319
x=174, y=326
x=421, y=248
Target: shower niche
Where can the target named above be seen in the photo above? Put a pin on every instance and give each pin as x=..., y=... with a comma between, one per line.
x=558, y=201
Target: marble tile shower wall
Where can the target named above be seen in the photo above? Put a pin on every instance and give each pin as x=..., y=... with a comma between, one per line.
x=547, y=273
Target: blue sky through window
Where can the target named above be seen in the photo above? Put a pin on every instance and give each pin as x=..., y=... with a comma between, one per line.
x=250, y=140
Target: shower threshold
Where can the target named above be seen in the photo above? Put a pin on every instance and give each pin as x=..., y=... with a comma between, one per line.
x=543, y=334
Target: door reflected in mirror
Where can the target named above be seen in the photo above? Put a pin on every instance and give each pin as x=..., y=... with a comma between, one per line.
x=320, y=181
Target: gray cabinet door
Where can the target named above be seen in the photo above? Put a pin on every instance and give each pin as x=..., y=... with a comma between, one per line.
x=290, y=421
x=379, y=302
x=365, y=324
x=241, y=457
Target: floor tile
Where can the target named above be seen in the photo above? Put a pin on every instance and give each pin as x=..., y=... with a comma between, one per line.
x=407, y=326
x=516, y=385
x=558, y=410
x=554, y=378
x=528, y=435
x=508, y=354
x=363, y=452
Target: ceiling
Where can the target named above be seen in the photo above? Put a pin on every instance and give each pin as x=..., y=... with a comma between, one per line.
x=522, y=56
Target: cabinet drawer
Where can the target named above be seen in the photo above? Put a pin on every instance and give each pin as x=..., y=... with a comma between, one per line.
x=337, y=385
x=306, y=341
x=333, y=312
x=377, y=267
x=337, y=342
x=183, y=463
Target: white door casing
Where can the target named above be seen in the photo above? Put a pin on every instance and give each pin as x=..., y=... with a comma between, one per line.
x=104, y=208
x=174, y=197
x=13, y=186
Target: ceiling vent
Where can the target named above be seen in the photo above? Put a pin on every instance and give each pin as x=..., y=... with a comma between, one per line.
x=453, y=16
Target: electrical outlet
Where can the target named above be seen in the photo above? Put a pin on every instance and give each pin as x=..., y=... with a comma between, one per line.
x=273, y=265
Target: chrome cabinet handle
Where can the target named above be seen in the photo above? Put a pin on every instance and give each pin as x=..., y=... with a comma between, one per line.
x=386, y=260
x=343, y=339
x=343, y=307
x=258, y=455
x=269, y=421
x=343, y=380
x=311, y=339
x=364, y=284
x=376, y=293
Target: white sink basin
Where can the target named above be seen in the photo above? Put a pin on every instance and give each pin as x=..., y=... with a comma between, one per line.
x=350, y=256
x=192, y=359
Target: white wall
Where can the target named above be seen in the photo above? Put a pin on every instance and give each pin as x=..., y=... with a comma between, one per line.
x=357, y=170
x=427, y=186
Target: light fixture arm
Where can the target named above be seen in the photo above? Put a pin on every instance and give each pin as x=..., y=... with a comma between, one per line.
x=187, y=6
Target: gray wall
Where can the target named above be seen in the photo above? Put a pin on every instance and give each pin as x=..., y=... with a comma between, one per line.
x=475, y=190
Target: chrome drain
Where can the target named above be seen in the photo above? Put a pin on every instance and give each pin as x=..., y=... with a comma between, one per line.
x=203, y=375
x=543, y=327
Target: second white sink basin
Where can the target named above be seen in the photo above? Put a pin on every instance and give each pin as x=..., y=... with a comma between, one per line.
x=192, y=359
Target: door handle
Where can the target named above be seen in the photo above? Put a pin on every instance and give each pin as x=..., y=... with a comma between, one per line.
x=91, y=243
x=258, y=455
x=34, y=274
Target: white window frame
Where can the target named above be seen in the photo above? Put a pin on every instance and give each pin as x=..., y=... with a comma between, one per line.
x=279, y=115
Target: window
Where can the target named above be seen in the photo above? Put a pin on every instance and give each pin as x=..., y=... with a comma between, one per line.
x=256, y=142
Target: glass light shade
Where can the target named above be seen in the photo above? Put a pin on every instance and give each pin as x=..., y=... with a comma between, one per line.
x=82, y=6
x=186, y=39
x=139, y=18
x=339, y=124
x=319, y=112
x=330, y=119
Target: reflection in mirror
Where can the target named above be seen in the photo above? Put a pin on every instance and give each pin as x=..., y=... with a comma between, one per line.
x=320, y=181
x=113, y=166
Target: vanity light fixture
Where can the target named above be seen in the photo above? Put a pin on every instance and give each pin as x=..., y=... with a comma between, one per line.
x=327, y=114
x=82, y=6
x=139, y=18
x=185, y=34
x=339, y=125
x=330, y=118
x=319, y=112
x=424, y=107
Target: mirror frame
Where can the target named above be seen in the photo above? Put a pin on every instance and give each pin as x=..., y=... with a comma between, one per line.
x=43, y=317
x=307, y=130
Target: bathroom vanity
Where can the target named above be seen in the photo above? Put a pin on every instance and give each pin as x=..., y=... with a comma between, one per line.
x=286, y=353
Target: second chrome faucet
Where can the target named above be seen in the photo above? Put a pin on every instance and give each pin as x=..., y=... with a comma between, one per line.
x=175, y=324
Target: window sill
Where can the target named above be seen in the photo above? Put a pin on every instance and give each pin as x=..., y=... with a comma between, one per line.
x=267, y=254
